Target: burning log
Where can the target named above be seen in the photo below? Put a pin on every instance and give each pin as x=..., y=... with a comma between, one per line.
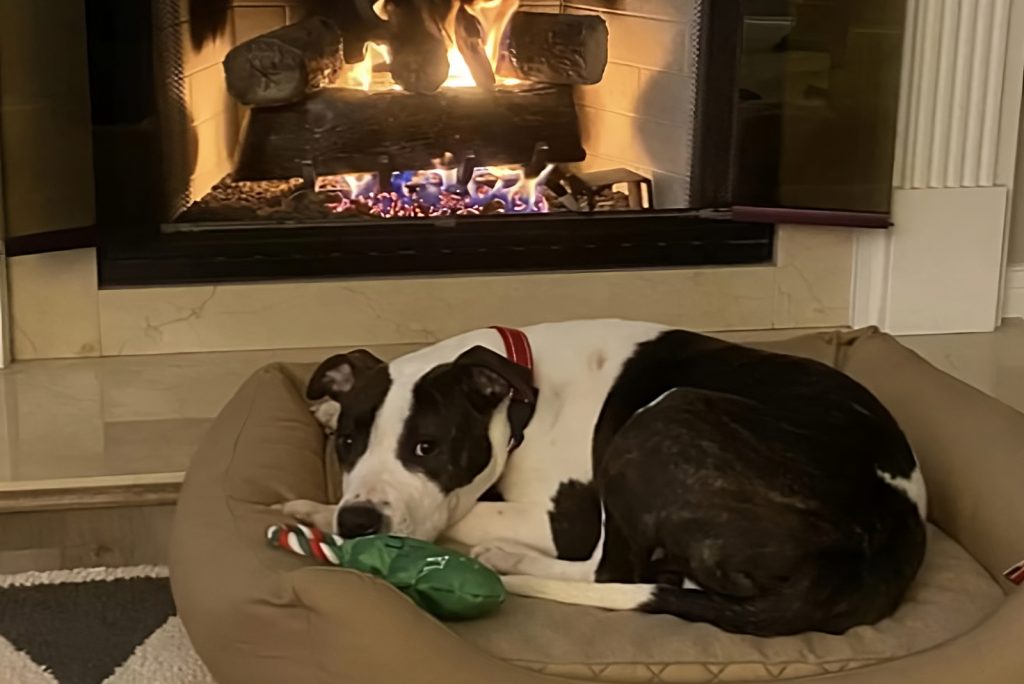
x=419, y=53
x=569, y=49
x=342, y=131
x=469, y=37
x=283, y=66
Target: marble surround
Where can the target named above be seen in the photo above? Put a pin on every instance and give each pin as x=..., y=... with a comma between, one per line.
x=58, y=311
x=54, y=308
x=135, y=421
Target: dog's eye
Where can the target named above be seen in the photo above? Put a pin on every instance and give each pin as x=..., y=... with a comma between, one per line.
x=425, y=448
x=345, y=441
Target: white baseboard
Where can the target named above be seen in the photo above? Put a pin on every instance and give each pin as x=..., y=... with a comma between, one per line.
x=946, y=261
x=1013, y=304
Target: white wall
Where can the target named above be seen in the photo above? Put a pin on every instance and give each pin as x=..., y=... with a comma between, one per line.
x=941, y=268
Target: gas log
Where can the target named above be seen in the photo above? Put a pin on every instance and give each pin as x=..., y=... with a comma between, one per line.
x=469, y=37
x=285, y=65
x=570, y=49
x=340, y=130
x=419, y=53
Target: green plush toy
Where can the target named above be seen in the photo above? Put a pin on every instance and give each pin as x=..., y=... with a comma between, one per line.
x=447, y=584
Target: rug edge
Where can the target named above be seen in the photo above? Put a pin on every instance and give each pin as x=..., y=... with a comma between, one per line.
x=96, y=574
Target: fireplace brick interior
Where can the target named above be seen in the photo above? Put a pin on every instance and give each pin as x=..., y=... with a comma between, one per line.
x=640, y=115
x=215, y=116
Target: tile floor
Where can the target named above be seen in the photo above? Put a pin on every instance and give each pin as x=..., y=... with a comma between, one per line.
x=128, y=420
x=994, y=362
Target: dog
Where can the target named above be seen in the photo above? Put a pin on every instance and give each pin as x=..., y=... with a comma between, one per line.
x=630, y=466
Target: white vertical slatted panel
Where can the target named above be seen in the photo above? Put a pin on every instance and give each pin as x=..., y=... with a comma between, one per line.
x=994, y=90
x=944, y=93
x=930, y=31
x=902, y=163
x=977, y=95
x=952, y=93
x=961, y=90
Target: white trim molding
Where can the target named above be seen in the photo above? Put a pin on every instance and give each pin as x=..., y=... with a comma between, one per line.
x=939, y=269
x=5, y=312
x=1014, y=304
x=870, y=283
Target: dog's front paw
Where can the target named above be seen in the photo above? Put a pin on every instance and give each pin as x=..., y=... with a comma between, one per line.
x=310, y=512
x=503, y=558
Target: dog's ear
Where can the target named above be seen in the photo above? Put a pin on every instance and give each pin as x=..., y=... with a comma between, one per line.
x=490, y=378
x=340, y=373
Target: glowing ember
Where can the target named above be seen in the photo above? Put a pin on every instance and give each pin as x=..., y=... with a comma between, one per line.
x=412, y=194
x=372, y=73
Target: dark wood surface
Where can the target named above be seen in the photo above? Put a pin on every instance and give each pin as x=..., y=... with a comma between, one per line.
x=543, y=47
x=345, y=131
x=283, y=66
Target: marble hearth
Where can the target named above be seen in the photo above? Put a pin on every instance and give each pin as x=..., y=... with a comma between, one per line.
x=59, y=312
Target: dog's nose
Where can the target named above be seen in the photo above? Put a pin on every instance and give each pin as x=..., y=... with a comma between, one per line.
x=359, y=520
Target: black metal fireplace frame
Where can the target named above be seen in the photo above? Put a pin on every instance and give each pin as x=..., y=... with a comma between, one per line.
x=529, y=243
x=134, y=251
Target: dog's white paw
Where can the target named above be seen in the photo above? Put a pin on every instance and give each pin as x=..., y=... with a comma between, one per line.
x=503, y=558
x=310, y=512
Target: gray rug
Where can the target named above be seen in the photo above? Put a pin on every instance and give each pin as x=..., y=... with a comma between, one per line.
x=94, y=626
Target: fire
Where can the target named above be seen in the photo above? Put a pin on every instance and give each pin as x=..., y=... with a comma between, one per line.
x=437, y=192
x=361, y=75
x=494, y=15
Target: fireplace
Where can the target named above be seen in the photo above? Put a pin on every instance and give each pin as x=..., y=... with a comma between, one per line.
x=260, y=139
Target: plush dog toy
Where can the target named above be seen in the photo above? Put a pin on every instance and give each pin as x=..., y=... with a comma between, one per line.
x=447, y=584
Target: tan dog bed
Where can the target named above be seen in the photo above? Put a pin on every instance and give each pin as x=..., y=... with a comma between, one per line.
x=256, y=614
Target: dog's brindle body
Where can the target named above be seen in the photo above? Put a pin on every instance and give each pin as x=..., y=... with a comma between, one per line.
x=661, y=470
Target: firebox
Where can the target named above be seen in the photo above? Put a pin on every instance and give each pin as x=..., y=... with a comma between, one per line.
x=261, y=139
x=394, y=109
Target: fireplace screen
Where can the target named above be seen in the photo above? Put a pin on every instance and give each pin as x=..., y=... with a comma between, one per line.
x=380, y=109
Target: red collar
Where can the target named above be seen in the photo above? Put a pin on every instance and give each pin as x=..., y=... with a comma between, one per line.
x=518, y=351
x=517, y=346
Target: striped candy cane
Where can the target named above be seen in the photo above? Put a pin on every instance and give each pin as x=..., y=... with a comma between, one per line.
x=307, y=541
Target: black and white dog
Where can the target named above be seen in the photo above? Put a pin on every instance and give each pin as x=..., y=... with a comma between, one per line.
x=629, y=466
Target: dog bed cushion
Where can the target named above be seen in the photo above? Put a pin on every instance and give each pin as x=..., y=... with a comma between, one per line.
x=951, y=595
x=258, y=615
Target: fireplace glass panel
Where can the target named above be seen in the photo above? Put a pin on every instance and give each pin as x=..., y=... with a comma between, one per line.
x=817, y=99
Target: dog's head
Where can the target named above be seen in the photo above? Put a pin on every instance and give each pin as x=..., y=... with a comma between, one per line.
x=418, y=441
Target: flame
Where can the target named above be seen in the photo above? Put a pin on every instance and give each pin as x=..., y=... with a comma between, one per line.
x=494, y=16
x=459, y=75
x=361, y=75
x=437, y=192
